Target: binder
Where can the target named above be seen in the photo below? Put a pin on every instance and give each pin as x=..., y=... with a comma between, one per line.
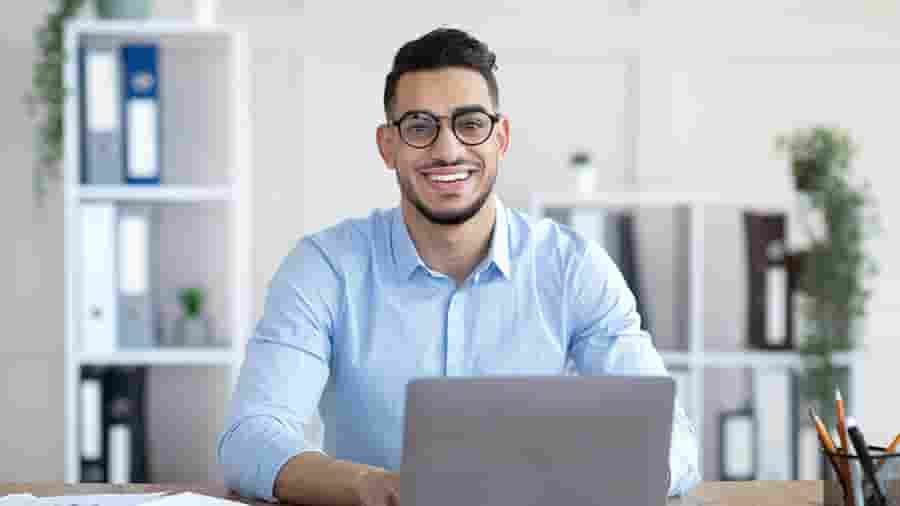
x=737, y=445
x=770, y=302
x=141, y=114
x=124, y=425
x=136, y=236
x=99, y=308
x=100, y=80
x=772, y=405
x=93, y=466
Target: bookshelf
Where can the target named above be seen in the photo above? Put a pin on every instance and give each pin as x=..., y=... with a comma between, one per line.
x=695, y=357
x=202, y=207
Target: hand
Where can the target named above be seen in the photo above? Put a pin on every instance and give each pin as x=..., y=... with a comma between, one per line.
x=377, y=487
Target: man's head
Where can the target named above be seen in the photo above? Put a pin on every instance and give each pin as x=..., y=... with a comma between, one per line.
x=444, y=136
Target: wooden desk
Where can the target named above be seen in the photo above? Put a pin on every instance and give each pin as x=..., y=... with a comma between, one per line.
x=752, y=493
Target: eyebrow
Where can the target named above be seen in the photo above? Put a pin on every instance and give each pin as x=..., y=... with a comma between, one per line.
x=456, y=110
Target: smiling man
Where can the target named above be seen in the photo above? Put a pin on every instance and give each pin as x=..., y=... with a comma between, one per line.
x=449, y=283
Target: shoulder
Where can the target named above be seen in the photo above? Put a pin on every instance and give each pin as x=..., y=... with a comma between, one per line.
x=343, y=246
x=553, y=245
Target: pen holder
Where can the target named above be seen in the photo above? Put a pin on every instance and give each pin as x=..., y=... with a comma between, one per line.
x=887, y=473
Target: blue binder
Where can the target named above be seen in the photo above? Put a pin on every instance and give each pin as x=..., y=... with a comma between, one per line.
x=141, y=114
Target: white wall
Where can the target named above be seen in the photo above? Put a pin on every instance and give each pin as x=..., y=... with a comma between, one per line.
x=719, y=79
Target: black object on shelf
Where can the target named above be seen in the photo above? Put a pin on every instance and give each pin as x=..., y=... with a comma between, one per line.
x=770, y=282
x=124, y=400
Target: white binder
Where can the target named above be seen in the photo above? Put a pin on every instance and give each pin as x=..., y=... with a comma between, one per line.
x=91, y=410
x=119, y=454
x=137, y=322
x=99, y=309
x=772, y=407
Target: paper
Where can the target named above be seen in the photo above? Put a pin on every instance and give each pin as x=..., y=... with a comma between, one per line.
x=158, y=499
x=192, y=499
x=99, y=500
x=79, y=500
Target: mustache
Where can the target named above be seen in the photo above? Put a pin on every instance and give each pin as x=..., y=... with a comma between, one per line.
x=438, y=163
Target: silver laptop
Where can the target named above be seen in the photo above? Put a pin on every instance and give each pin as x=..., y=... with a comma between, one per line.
x=520, y=441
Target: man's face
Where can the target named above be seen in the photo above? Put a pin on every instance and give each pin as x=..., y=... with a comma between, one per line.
x=429, y=177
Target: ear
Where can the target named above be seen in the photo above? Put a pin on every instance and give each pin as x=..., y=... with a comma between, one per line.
x=386, y=138
x=502, y=136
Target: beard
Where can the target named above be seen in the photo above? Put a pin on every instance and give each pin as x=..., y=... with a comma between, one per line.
x=451, y=217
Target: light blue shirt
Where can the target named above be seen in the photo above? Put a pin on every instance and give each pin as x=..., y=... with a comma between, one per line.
x=353, y=313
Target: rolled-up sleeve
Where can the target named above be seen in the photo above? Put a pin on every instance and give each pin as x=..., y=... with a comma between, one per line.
x=283, y=375
x=607, y=339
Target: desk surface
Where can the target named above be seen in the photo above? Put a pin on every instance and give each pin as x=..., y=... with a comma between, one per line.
x=751, y=493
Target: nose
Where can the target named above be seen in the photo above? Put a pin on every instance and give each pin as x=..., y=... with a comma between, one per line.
x=447, y=147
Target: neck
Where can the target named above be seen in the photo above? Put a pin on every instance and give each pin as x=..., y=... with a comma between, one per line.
x=454, y=250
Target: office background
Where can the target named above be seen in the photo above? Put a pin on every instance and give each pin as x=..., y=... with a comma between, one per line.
x=713, y=84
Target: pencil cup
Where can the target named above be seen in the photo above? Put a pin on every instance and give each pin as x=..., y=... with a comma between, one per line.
x=861, y=490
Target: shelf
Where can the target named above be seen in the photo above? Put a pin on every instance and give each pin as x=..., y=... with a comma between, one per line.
x=168, y=356
x=753, y=359
x=163, y=193
x=628, y=199
x=152, y=27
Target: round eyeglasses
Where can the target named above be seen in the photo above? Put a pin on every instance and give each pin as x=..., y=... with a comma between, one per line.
x=420, y=129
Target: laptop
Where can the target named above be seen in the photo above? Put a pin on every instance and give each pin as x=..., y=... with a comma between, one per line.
x=550, y=440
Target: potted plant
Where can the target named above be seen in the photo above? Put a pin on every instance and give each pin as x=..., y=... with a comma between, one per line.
x=839, y=217
x=193, y=327
x=585, y=172
x=48, y=94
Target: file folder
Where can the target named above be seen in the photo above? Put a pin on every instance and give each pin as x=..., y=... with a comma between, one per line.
x=141, y=114
x=99, y=308
x=101, y=127
x=135, y=241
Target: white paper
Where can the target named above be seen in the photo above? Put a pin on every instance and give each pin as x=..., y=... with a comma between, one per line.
x=192, y=499
x=142, y=141
x=99, y=500
x=80, y=500
x=776, y=295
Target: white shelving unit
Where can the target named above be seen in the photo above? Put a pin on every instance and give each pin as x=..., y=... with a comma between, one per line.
x=204, y=201
x=696, y=358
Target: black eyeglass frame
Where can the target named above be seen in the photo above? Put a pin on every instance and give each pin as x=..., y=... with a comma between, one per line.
x=450, y=120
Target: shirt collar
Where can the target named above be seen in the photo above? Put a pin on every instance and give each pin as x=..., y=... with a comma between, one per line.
x=407, y=259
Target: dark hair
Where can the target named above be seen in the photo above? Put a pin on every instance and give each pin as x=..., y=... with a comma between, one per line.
x=438, y=49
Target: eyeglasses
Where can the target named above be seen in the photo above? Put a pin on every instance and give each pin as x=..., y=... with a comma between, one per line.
x=471, y=126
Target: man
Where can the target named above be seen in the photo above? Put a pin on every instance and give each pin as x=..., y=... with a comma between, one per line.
x=450, y=283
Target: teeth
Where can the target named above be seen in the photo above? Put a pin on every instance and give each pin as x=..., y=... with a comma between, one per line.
x=449, y=177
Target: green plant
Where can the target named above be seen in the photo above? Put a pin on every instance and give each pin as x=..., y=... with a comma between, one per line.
x=836, y=265
x=192, y=300
x=48, y=94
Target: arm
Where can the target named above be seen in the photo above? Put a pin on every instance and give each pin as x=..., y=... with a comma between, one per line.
x=263, y=450
x=607, y=339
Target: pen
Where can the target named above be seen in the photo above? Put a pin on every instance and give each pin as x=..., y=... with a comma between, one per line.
x=825, y=439
x=842, y=433
x=865, y=458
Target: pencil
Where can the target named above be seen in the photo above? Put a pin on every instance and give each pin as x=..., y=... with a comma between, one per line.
x=825, y=439
x=890, y=449
x=842, y=434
